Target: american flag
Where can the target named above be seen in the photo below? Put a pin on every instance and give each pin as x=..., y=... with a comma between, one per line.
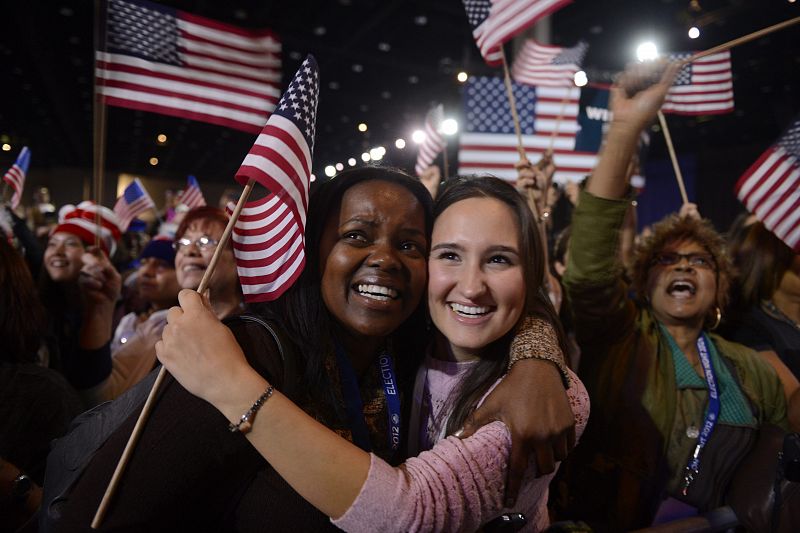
x=771, y=187
x=703, y=87
x=434, y=143
x=171, y=62
x=134, y=200
x=15, y=176
x=192, y=196
x=545, y=65
x=488, y=143
x=494, y=22
x=268, y=238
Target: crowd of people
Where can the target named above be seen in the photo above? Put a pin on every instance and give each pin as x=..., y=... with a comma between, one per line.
x=431, y=369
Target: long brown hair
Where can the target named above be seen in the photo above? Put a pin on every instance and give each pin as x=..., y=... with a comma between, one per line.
x=761, y=259
x=494, y=358
x=21, y=313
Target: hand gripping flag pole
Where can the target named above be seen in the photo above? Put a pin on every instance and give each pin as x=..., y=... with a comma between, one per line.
x=281, y=161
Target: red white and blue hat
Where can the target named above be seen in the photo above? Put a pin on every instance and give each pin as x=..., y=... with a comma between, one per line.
x=81, y=221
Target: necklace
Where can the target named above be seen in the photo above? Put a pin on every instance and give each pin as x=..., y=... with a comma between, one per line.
x=777, y=313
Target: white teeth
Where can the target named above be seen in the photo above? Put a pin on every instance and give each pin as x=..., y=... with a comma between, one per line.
x=188, y=268
x=377, y=292
x=468, y=310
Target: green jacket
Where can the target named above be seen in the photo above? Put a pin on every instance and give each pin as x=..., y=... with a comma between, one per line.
x=619, y=473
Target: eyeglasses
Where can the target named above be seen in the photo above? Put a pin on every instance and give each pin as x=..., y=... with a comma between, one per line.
x=203, y=243
x=694, y=260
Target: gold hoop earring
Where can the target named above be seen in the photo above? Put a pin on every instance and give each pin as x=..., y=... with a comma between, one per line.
x=717, y=320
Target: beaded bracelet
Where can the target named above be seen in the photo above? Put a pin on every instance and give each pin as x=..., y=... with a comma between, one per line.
x=537, y=339
x=245, y=423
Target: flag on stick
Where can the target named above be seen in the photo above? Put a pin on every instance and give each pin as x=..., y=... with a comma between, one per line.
x=134, y=200
x=268, y=238
x=703, y=87
x=175, y=63
x=434, y=143
x=496, y=21
x=15, y=176
x=545, y=65
x=192, y=196
x=770, y=188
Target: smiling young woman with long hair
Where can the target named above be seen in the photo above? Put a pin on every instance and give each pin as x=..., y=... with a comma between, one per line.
x=485, y=286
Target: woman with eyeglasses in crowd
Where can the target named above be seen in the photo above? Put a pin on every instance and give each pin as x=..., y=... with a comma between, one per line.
x=659, y=445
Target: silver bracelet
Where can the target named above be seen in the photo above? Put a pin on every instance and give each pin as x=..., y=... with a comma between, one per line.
x=245, y=423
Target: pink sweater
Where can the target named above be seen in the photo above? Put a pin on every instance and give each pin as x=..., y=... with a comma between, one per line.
x=456, y=486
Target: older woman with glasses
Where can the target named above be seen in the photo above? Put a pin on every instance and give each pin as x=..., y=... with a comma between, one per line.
x=675, y=407
x=195, y=242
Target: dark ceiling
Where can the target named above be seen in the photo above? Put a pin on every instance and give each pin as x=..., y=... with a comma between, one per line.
x=382, y=62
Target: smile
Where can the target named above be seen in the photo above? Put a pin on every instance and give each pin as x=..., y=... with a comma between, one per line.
x=377, y=292
x=469, y=311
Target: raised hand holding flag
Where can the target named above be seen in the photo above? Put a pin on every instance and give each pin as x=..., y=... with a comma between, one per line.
x=15, y=177
x=281, y=161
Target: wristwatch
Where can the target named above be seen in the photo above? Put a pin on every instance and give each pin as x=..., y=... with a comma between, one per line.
x=20, y=488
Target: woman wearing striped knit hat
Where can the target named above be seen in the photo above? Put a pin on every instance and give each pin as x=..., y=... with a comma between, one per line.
x=79, y=288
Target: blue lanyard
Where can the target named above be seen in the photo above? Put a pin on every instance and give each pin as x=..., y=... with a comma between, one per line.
x=355, y=408
x=712, y=414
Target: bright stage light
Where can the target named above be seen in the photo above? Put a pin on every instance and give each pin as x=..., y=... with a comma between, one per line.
x=581, y=79
x=352, y=161
x=400, y=143
x=694, y=32
x=330, y=171
x=462, y=76
x=362, y=127
x=449, y=126
x=647, y=51
x=418, y=136
x=339, y=167
x=365, y=157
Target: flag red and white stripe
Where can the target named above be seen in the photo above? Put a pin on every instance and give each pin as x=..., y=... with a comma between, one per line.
x=546, y=65
x=192, y=196
x=488, y=144
x=494, y=22
x=269, y=236
x=175, y=63
x=134, y=201
x=703, y=87
x=770, y=188
x=434, y=142
x=15, y=176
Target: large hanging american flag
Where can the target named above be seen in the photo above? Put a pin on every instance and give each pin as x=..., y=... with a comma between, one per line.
x=268, y=238
x=171, y=62
x=494, y=22
x=488, y=144
x=546, y=65
x=134, y=201
x=15, y=176
x=434, y=142
x=703, y=87
x=771, y=187
x=192, y=196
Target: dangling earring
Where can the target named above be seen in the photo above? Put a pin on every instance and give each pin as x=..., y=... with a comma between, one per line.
x=717, y=320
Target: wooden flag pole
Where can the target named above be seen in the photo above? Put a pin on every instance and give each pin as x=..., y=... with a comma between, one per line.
x=148, y=404
x=744, y=39
x=673, y=157
x=512, y=102
x=558, y=121
x=98, y=126
x=444, y=162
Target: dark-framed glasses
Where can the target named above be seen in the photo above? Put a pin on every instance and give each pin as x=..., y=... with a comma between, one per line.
x=203, y=243
x=696, y=260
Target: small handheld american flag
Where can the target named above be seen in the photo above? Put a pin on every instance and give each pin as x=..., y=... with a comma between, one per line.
x=268, y=238
x=134, y=201
x=496, y=21
x=15, y=176
x=192, y=196
x=770, y=188
x=552, y=66
x=434, y=143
